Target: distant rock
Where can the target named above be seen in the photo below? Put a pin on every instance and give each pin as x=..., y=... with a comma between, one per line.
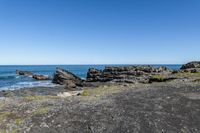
x=64, y=77
x=163, y=69
x=26, y=73
x=41, y=77
x=194, y=64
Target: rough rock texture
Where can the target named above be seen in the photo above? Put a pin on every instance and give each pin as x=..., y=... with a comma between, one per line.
x=64, y=77
x=194, y=64
x=41, y=77
x=93, y=75
x=26, y=73
x=156, y=108
x=128, y=74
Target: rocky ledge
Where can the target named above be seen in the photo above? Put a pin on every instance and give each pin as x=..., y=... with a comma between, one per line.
x=64, y=77
x=123, y=74
x=116, y=74
x=192, y=67
x=194, y=64
x=130, y=74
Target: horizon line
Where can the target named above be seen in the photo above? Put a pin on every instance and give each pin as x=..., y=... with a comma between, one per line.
x=92, y=64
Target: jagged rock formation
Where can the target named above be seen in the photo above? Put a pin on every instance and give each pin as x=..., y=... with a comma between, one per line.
x=129, y=74
x=64, y=77
x=193, y=64
x=192, y=67
x=93, y=75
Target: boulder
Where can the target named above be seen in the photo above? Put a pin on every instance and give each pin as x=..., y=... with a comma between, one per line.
x=41, y=77
x=194, y=64
x=26, y=73
x=64, y=77
x=70, y=93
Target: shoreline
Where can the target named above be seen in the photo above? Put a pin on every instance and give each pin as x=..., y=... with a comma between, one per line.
x=9, y=77
x=117, y=99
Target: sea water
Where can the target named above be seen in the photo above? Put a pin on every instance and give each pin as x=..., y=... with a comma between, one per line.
x=10, y=80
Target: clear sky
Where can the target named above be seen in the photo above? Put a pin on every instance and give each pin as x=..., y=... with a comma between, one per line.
x=99, y=31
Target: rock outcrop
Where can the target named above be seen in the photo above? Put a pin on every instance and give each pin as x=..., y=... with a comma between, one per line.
x=191, y=67
x=93, y=75
x=41, y=77
x=25, y=73
x=129, y=74
x=194, y=64
x=30, y=74
x=64, y=77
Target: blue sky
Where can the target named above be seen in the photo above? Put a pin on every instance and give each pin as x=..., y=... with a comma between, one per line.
x=99, y=31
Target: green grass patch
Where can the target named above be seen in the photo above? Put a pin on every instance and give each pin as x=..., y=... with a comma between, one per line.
x=33, y=98
x=19, y=121
x=197, y=73
x=8, y=131
x=5, y=115
x=188, y=74
x=157, y=78
x=85, y=93
x=103, y=90
x=41, y=110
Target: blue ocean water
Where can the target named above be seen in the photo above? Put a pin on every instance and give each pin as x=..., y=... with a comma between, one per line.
x=9, y=79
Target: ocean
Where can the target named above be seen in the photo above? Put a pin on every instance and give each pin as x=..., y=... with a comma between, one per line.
x=10, y=81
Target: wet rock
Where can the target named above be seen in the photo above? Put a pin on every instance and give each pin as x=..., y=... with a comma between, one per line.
x=194, y=64
x=41, y=77
x=64, y=77
x=26, y=73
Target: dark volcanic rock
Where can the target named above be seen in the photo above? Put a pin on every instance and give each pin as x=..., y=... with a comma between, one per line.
x=129, y=74
x=41, y=77
x=93, y=75
x=154, y=109
x=194, y=64
x=64, y=77
x=26, y=73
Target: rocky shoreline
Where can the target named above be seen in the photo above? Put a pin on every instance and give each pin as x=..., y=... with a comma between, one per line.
x=117, y=74
x=116, y=99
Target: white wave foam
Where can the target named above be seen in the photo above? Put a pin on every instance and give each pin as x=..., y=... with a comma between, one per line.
x=29, y=85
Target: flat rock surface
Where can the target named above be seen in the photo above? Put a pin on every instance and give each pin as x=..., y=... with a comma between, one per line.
x=153, y=108
x=146, y=110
